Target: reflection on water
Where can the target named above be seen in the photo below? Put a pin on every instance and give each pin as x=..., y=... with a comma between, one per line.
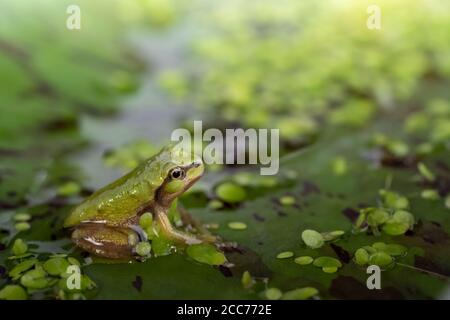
x=147, y=114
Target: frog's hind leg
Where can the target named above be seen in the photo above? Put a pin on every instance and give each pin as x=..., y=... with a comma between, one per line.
x=106, y=241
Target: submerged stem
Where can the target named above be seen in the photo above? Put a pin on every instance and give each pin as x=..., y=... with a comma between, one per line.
x=423, y=270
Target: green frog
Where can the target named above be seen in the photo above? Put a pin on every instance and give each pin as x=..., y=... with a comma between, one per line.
x=107, y=223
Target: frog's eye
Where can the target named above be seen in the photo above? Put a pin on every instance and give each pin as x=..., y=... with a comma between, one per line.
x=177, y=173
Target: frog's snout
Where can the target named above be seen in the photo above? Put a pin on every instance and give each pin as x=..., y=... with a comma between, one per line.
x=197, y=163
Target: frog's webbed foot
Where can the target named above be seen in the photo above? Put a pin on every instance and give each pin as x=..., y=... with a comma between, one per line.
x=171, y=233
x=106, y=241
x=203, y=233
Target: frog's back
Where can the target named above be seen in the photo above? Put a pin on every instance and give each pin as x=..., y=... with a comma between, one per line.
x=119, y=201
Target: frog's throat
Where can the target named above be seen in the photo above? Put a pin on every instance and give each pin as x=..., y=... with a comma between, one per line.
x=164, y=199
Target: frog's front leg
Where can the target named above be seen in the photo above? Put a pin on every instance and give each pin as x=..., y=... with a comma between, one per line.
x=106, y=241
x=170, y=232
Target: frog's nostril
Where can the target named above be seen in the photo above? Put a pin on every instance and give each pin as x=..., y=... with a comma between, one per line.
x=196, y=164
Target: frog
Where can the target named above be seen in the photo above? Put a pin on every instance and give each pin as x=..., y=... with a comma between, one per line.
x=106, y=223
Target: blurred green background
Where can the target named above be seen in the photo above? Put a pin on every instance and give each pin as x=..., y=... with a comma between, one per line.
x=79, y=108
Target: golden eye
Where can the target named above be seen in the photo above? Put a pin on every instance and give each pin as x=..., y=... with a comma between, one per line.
x=177, y=173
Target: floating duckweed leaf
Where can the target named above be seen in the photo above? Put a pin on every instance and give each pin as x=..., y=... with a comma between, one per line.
x=429, y=194
x=379, y=246
x=361, y=220
x=370, y=249
x=312, y=239
x=23, y=266
x=397, y=148
x=143, y=248
x=285, y=255
x=329, y=269
x=361, y=257
x=399, y=223
x=340, y=166
x=161, y=246
x=56, y=266
x=425, y=172
x=69, y=189
x=19, y=247
x=377, y=216
x=273, y=294
x=325, y=262
x=303, y=260
x=287, y=200
x=73, y=261
x=35, y=279
x=146, y=220
x=22, y=216
x=247, y=280
x=206, y=253
x=394, y=200
x=236, y=225
x=22, y=226
x=395, y=249
x=215, y=204
x=300, y=294
x=231, y=192
x=87, y=283
x=13, y=292
x=395, y=228
x=381, y=259
x=333, y=235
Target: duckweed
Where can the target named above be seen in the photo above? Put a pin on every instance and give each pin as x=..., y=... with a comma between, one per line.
x=206, y=253
x=56, y=266
x=380, y=259
x=22, y=217
x=215, y=204
x=329, y=269
x=69, y=189
x=394, y=200
x=300, y=294
x=425, y=172
x=340, y=166
x=22, y=226
x=395, y=249
x=285, y=255
x=146, y=220
x=35, y=279
x=303, y=260
x=312, y=239
x=73, y=261
x=333, y=235
x=325, y=262
x=361, y=257
x=400, y=222
x=287, y=200
x=161, y=246
x=143, y=248
x=19, y=247
x=236, y=225
x=247, y=280
x=13, y=292
x=379, y=253
x=231, y=192
x=273, y=294
x=23, y=266
x=429, y=194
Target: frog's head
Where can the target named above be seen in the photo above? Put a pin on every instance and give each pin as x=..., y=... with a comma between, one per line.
x=179, y=170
